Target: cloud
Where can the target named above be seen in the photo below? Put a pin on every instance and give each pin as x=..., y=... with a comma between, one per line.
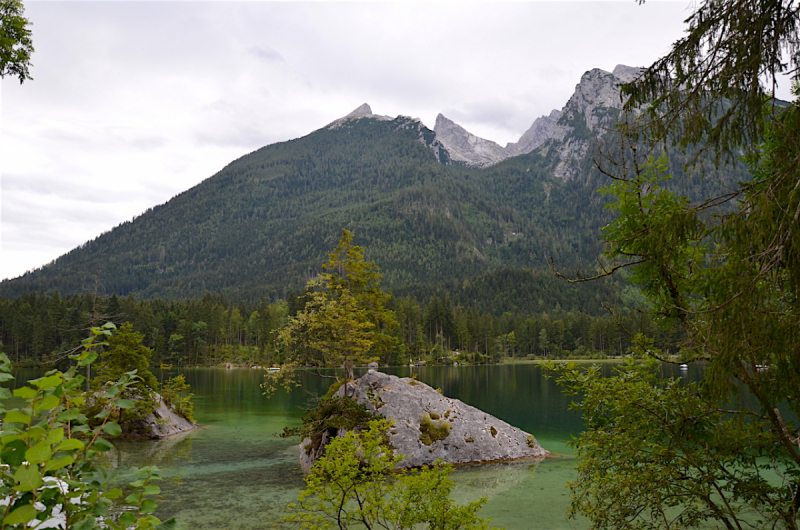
x=133, y=102
x=266, y=55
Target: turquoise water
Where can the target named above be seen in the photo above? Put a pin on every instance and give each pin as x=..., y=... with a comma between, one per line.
x=235, y=474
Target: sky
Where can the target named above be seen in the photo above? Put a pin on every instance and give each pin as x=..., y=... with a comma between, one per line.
x=133, y=102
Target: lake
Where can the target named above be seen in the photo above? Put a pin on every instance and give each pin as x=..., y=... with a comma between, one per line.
x=235, y=474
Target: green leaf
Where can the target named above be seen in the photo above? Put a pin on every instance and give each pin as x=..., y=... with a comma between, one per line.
x=47, y=403
x=171, y=524
x=22, y=515
x=70, y=444
x=8, y=438
x=114, y=493
x=124, y=403
x=28, y=478
x=152, y=489
x=13, y=453
x=33, y=434
x=5, y=393
x=58, y=463
x=112, y=392
x=86, y=524
x=134, y=498
x=54, y=435
x=89, y=359
x=112, y=428
x=47, y=382
x=15, y=416
x=102, y=445
x=25, y=392
x=127, y=519
x=38, y=453
x=69, y=414
x=102, y=414
x=5, y=377
x=148, y=506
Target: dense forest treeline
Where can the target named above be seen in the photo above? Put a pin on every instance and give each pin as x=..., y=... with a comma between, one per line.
x=41, y=329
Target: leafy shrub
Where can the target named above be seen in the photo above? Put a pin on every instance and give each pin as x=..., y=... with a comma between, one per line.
x=48, y=450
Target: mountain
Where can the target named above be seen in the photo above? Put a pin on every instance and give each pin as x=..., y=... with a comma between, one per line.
x=264, y=224
x=594, y=106
x=465, y=147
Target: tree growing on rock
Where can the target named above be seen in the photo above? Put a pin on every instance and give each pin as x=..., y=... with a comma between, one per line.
x=353, y=486
x=345, y=322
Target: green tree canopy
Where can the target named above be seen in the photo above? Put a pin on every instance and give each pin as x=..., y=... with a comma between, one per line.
x=126, y=353
x=345, y=321
x=726, y=269
x=712, y=89
x=16, y=45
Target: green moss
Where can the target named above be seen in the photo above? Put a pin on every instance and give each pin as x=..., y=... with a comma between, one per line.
x=333, y=388
x=469, y=440
x=434, y=416
x=431, y=430
x=493, y=431
x=447, y=414
x=531, y=441
x=413, y=383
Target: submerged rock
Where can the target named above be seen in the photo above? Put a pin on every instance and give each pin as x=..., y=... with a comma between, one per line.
x=429, y=426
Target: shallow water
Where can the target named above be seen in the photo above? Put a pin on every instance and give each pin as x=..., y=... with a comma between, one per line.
x=234, y=473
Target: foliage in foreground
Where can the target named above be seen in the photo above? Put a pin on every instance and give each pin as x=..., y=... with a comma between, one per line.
x=352, y=486
x=48, y=452
x=657, y=454
x=665, y=454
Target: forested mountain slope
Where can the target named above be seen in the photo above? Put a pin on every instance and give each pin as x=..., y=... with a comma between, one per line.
x=262, y=226
x=264, y=223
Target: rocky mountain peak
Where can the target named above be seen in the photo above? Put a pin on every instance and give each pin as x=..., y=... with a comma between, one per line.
x=594, y=106
x=363, y=110
x=465, y=147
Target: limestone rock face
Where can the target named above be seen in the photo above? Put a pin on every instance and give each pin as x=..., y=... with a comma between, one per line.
x=594, y=107
x=464, y=146
x=537, y=135
x=161, y=423
x=430, y=426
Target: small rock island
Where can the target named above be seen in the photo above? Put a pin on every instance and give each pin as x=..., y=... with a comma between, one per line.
x=164, y=421
x=429, y=426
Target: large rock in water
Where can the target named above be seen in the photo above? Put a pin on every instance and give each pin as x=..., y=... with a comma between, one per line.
x=430, y=426
x=164, y=421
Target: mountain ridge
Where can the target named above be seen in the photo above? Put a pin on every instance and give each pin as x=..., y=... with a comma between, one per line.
x=262, y=226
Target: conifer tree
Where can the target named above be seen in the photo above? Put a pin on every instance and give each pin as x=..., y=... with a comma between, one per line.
x=345, y=321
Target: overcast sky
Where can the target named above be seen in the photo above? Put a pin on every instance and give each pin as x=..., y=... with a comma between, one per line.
x=134, y=102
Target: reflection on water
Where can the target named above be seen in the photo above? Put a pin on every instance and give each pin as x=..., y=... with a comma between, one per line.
x=235, y=473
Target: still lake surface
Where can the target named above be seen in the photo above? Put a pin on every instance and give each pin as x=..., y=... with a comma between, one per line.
x=235, y=473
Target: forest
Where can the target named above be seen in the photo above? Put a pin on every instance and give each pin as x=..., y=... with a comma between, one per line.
x=37, y=329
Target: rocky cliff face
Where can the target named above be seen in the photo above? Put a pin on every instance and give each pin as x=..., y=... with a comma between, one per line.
x=429, y=426
x=465, y=147
x=537, y=135
x=594, y=106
